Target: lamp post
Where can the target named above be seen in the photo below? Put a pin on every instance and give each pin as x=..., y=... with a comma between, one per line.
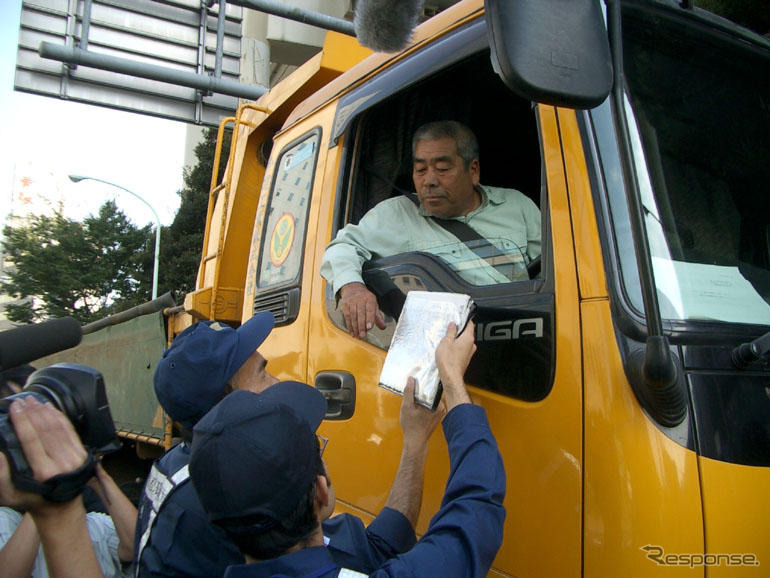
x=78, y=178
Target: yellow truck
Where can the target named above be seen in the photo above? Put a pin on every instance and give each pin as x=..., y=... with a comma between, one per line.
x=626, y=381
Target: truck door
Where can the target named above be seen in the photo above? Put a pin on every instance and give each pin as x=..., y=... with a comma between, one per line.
x=527, y=371
x=281, y=260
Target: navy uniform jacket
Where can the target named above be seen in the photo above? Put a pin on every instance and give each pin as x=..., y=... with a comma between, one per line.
x=463, y=537
x=184, y=543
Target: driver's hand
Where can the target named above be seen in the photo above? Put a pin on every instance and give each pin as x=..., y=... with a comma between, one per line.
x=359, y=306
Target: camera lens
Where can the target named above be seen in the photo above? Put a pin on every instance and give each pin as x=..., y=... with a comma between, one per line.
x=77, y=391
x=41, y=394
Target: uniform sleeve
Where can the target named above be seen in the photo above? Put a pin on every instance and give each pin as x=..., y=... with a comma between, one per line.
x=364, y=549
x=344, y=258
x=391, y=533
x=464, y=536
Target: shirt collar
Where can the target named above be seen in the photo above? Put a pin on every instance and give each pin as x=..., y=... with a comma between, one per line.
x=494, y=195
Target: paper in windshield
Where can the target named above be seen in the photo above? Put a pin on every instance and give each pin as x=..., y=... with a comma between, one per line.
x=708, y=292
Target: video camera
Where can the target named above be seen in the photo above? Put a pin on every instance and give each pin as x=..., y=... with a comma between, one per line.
x=79, y=392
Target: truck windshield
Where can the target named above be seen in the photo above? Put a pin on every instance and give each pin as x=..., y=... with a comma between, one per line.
x=699, y=100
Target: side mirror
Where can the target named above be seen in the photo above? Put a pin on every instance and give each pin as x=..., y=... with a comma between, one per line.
x=551, y=51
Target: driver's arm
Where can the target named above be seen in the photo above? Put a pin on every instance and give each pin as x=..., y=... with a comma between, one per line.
x=359, y=306
x=374, y=235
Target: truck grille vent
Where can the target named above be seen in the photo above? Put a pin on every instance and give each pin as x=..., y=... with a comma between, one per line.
x=283, y=305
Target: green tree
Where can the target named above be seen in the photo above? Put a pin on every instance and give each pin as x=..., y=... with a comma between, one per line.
x=88, y=270
x=182, y=243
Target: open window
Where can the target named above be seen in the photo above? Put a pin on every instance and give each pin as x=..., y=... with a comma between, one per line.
x=451, y=82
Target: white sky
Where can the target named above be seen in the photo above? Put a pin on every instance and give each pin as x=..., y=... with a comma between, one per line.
x=47, y=139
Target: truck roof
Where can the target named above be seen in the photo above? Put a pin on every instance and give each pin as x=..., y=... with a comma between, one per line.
x=339, y=54
x=448, y=19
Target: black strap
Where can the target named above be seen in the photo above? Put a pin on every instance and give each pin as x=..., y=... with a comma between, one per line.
x=480, y=245
x=65, y=487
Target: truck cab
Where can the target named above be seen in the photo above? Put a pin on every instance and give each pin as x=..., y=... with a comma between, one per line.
x=623, y=375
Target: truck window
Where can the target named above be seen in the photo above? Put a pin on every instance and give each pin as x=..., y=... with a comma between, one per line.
x=281, y=258
x=700, y=141
x=378, y=166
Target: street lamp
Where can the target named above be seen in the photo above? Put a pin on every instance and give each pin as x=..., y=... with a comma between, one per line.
x=78, y=178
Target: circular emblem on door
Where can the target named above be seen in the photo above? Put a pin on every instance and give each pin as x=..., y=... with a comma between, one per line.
x=282, y=239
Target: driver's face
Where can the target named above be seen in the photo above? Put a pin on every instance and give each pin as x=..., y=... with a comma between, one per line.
x=444, y=185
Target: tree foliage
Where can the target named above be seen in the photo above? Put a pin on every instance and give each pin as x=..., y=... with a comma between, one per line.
x=87, y=270
x=183, y=239
x=104, y=265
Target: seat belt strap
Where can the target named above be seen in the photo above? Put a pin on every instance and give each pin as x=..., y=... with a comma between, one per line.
x=470, y=237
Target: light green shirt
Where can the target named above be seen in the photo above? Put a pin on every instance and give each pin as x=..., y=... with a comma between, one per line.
x=506, y=217
x=104, y=538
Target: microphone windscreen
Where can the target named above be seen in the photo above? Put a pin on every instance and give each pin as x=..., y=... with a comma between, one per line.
x=23, y=344
x=386, y=25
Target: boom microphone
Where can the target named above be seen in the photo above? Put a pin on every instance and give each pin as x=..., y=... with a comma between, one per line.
x=386, y=25
x=29, y=342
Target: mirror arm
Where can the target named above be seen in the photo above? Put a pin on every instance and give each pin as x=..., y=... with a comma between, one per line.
x=657, y=381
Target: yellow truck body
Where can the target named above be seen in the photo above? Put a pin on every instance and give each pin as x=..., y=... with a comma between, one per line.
x=598, y=483
x=606, y=475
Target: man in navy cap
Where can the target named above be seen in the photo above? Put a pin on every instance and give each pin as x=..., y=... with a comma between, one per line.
x=174, y=537
x=205, y=362
x=257, y=466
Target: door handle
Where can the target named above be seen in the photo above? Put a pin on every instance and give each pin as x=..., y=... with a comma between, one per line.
x=339, y=389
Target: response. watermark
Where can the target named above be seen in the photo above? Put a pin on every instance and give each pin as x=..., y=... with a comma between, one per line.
x=660, y=557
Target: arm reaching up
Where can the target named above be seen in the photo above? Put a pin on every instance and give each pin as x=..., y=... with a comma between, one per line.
x=417, y=424
x=121, y=510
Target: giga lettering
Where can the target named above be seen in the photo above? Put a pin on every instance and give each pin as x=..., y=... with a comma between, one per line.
x=509, y=329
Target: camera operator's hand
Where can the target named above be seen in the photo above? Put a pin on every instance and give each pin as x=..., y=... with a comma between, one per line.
x=51, y=447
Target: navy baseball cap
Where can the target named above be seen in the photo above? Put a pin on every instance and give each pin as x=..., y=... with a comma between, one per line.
x=192, y=374
x=255, y=456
